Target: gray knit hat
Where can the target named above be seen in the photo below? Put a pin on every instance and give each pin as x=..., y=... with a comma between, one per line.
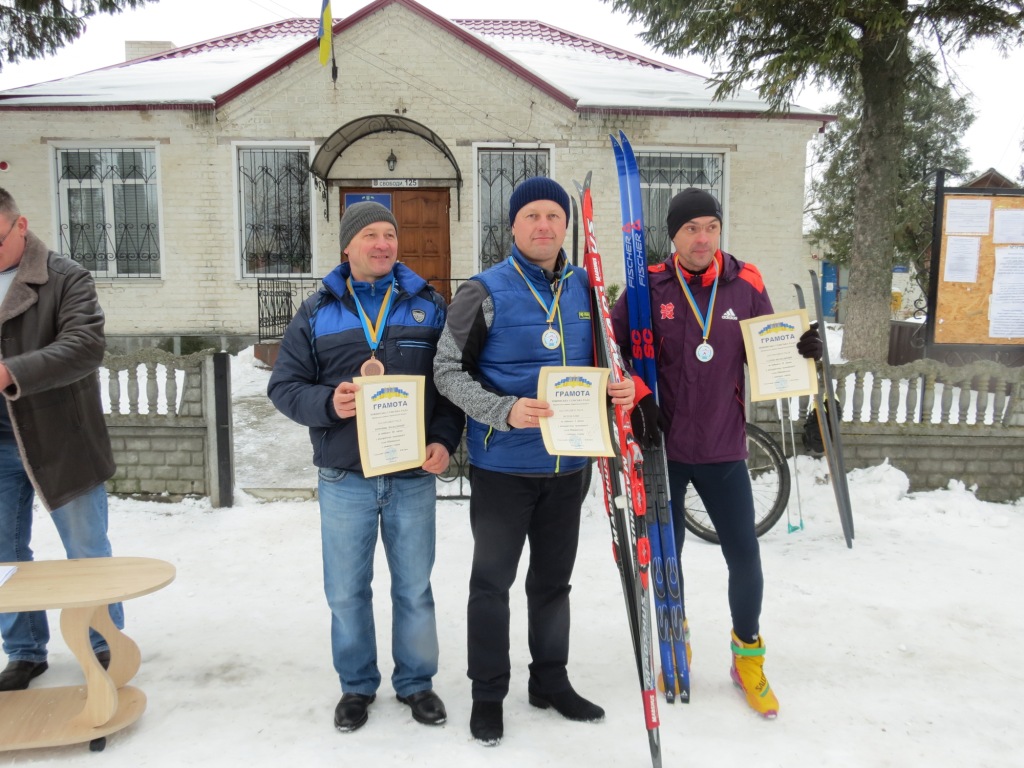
x=359, y=215
x=534, y=189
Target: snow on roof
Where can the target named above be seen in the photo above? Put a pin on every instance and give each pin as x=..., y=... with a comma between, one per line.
x=192, y=74
x=589, y=73
x=604, y=77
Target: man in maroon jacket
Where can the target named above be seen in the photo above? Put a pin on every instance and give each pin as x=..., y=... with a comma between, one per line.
x=698, y=296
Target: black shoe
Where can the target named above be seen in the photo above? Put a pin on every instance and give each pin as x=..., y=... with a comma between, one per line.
x=486, y=722
x=103, y=657
x=17, y=674
x=569, y=705
x=426, y=706
x=351, y=714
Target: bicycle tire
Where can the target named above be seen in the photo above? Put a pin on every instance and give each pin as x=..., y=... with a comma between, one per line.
x=769, y=481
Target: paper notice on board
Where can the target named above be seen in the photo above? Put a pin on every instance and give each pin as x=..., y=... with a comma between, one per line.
x=1009, y=226
x=1006, y=316
x=968, y=217
x=961, y=264
x=1009, y=274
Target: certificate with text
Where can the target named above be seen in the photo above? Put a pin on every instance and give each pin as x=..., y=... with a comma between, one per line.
x=777, y=370
x=390, y=423
x=578, y=396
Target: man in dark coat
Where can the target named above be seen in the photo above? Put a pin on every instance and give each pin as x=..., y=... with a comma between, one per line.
x=53, y=437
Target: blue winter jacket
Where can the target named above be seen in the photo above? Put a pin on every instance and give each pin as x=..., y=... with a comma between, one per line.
x=325, y=345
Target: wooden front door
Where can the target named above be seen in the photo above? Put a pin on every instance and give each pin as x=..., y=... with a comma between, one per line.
x=424, y=242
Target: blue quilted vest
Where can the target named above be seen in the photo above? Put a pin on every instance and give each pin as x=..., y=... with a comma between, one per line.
x=513, y=356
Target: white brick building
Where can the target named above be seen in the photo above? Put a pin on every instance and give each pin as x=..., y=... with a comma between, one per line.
x=181, y=178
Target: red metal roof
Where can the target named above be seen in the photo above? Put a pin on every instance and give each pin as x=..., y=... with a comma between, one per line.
x=287, y=28
x=518, y=29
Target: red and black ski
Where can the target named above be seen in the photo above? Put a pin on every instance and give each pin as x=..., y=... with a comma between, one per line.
x=623, y=481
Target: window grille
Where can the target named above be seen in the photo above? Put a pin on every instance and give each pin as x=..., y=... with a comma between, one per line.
x=662, y=175
x=275, y=216
x=107, y=217
x=500, y=170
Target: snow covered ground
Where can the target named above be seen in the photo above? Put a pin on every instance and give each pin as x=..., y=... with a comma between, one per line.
x=898, y=652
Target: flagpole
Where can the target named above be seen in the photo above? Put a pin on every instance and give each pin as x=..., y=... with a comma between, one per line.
x=334, y=64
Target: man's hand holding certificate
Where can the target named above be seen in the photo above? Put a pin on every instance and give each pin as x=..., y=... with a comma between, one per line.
x=577, y=396
x=776, y=366
x=390, y=422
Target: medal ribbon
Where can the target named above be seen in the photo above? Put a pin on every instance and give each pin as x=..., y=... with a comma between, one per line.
x=553, y=309
x=703, y=320
x=372, y=332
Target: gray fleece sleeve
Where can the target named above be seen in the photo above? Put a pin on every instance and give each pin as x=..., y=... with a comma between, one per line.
x=456, y=372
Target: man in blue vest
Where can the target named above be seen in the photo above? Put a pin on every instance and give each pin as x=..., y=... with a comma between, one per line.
x=531, y=310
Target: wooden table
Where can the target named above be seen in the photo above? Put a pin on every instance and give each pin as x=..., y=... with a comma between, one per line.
x=82, y=589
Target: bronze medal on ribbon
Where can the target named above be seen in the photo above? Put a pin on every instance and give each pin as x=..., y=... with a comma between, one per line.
x=372, y=367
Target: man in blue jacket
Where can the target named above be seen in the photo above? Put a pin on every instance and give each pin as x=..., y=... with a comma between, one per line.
x=531, y=310
x=372, y=316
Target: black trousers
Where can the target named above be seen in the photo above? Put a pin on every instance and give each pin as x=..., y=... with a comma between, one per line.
x=506, y=511
x=725, y=490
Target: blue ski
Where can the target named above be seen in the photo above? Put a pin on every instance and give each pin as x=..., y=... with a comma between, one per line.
x=668, y=598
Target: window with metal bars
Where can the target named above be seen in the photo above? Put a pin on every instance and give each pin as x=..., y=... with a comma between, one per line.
x=499, y=171
x=107, y=217
x=275, y=211
x=662, y=175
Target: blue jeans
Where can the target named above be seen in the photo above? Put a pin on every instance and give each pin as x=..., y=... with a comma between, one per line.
x=351, y=506
x=82, y=525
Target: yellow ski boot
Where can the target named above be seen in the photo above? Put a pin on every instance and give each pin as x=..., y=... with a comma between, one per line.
x=748, y=674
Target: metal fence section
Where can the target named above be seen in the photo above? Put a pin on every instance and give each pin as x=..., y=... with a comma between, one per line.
x=278, y=298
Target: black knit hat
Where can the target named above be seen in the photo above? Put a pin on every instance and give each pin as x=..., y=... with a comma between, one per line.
x=534, y=189
x=691, y=203
x=359, y=215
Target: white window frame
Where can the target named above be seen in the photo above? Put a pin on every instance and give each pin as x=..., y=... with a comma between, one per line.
x=241, y=272
x=63, y=212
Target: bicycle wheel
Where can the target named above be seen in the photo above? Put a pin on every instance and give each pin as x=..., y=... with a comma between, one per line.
x=769, y=481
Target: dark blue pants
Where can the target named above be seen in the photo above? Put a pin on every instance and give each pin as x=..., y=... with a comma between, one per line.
x=725, y=490
x=504, y=512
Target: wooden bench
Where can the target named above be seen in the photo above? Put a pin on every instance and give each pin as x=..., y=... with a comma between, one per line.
x=82, y=590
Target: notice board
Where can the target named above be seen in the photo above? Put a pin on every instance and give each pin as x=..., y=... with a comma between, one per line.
x=979, y=279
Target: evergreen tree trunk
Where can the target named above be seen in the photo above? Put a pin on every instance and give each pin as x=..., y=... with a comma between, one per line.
x=884, y=68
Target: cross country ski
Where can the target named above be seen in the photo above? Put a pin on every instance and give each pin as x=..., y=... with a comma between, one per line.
x=829, y=417
x=668, y=599
x=623, y=482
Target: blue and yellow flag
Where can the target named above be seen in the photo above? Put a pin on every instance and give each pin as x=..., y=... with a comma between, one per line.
x=325, y=33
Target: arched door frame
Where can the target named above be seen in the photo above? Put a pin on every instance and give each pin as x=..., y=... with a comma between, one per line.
x=361, y=127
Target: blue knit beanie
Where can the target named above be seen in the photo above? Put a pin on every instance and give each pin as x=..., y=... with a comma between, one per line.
x=534, y=189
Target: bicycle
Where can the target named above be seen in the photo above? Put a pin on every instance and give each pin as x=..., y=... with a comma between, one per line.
x=769, y=481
